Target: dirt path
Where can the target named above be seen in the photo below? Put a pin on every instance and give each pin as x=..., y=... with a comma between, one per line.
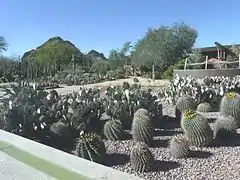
x=145, y=83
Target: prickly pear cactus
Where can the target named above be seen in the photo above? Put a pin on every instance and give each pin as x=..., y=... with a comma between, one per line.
x=113, y=130
x=91, y=147
x=142, y=129
x=141, y=158
x=196, y=129
x=179, y=146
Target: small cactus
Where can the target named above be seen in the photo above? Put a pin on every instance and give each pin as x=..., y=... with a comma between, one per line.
x=113, y=130
x=142, y=129
x=141, y=112
x=230, y=104
x=91, y=147
x=196, y=129
x=60, y=134
x=179, y=146
x=141, y=158
x=225, y=127
x=204, y=107
x=184, y=103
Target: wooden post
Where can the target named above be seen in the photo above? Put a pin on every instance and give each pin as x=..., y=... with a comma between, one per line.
x=153, y=72
x=206, y=62
x=185, y=65
x=239, y=61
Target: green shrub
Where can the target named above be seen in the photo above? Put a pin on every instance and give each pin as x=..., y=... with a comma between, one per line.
x=168, y=74
x=100, y=67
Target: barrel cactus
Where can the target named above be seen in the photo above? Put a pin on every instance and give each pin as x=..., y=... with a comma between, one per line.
x=196, y=129
x=179, y=146
x=91, y=147
x=113, y=130
x=225, y=127
x=204, y=107
x=141, y=158
x=60, y=134
x=230, y=104
x=141, y=112
x=142, y=129
x=184, y=103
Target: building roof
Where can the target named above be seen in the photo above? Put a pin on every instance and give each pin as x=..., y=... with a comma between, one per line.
x=214, y=48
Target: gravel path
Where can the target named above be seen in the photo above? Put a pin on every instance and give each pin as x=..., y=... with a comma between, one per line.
x=210, y=163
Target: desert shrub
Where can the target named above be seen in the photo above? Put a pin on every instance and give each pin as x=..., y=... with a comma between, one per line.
x=100, y=67
x=168, y=74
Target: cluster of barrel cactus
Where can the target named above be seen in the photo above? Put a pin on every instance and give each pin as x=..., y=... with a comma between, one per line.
x=196, y=129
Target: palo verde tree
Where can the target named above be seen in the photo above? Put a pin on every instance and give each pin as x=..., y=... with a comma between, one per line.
x=164, y=46
x=118, y=57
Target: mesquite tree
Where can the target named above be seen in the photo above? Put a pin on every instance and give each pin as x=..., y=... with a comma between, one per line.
x=163, y=46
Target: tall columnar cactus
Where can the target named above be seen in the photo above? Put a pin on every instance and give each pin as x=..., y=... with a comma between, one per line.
x=142, y=128
x=141, y=158
x=230, y=104
x=184, y=103
x=225, y=127
x=204, y=107
x=179, y=146
x=196, y=129
x=113, y=130
x=91, y=147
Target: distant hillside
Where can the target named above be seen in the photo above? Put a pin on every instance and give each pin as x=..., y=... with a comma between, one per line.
x=96, y=55
x=65, y=47
x=52, y=42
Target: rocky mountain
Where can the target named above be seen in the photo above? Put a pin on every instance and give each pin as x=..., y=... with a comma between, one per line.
x=96, y=55
x=52, y=42
x=63, y=46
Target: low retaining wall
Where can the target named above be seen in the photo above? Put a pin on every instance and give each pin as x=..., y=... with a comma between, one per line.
x=201, y=73
x=84, y=167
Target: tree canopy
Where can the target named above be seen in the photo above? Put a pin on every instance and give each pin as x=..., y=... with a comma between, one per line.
x=3, y=44
x=164, y=46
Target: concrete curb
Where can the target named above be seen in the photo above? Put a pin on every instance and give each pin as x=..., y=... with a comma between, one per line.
x=68, y=161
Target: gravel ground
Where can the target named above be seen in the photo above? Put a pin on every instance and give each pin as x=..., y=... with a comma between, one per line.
x=218, y=163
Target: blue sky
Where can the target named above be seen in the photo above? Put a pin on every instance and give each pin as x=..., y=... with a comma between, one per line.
x=106, y=24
